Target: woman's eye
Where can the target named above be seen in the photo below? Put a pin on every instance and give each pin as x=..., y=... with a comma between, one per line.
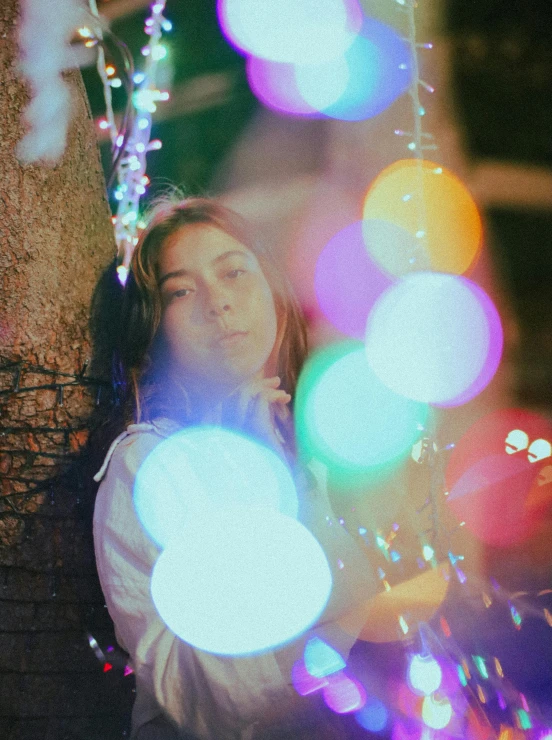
x=235, y=273
x=182, y=293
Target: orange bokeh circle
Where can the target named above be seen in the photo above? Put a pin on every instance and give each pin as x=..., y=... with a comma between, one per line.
x=431, y=204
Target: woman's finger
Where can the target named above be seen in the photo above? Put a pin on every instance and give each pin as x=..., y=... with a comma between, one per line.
x=275, y=396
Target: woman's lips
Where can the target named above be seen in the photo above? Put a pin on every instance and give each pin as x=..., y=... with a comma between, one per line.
x=231, y=338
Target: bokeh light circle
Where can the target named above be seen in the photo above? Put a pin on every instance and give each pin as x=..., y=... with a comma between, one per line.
x=241, y=580
x=321, y=659
x=322, y=85
x=292, y=31
x=373, y=716
x=344, y=694
x=393, y=249
x=201, y=469
x=361, y=83
x=434, y=338
x=348, y=418
x=424, y=674
x=274, y=84
x=432, y=205
x=347, y=282
x=380, y=70
x=304, y=682
x=436, y=712
x=495, y=485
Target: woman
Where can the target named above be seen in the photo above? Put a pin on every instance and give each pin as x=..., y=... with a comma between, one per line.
x=210, y=333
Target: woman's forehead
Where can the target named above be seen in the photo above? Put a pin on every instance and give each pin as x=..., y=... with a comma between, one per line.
x=198, y=245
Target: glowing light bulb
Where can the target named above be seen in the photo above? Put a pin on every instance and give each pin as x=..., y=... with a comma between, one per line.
x=103, y=124
x=344, y=694
x=480, y=665
x=428, y=552
x=424, y=674
x=159, y=52
x=143, y=123
x=166, y=25
x=138, y=78
x=144, y=100
x=436, y=712
x=122, y=274
x=115, y=82
x=373, y=716
x=321, y=659
x=524, y=720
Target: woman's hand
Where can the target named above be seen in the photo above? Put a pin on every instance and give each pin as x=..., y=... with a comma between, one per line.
x=253, y=408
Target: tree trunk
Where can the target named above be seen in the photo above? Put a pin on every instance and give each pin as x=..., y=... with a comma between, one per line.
x=55, y=240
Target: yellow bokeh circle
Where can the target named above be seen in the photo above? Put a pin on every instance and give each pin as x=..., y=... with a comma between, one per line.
x=434, y=208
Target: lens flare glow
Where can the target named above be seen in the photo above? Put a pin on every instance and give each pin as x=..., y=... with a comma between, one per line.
x=434, y=338
x=292, y=31
x=347, y=282
x=203, y=469
x=348, y=418
x=344, y=694
x=436, y=712
x=433, y=205
x=241, y=581
x=424, y=674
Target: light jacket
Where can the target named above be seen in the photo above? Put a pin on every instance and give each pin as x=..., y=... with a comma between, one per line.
x=209, y=696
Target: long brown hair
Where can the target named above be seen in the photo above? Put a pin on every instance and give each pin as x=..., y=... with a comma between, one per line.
x=145, y=390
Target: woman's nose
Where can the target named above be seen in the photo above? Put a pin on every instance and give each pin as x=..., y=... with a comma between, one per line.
x=218, y=310
x=217, y=303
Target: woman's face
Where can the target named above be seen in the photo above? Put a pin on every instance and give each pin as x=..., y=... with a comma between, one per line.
x=218, y=317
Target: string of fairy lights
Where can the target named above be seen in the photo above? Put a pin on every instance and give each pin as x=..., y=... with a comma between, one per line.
x=131, y=141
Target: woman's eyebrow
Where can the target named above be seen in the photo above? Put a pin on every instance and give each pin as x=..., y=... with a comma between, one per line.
x=183, y=272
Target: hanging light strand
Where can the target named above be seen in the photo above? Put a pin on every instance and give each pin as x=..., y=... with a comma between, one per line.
x=131, y=169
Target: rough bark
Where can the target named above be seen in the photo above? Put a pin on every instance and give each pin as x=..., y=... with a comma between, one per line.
x=55, y=240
